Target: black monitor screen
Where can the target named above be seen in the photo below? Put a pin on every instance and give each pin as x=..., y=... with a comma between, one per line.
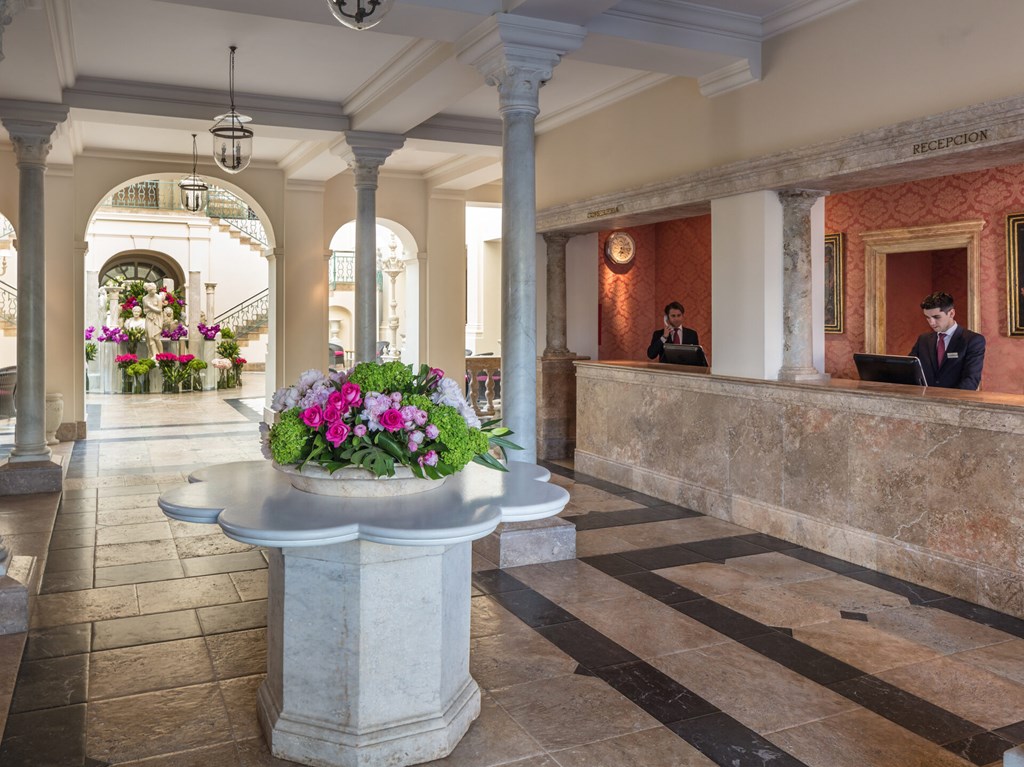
x=890, y=368
x=686, y=354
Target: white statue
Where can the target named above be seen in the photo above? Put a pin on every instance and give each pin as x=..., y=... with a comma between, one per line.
x=153, y=304
x=136, y=321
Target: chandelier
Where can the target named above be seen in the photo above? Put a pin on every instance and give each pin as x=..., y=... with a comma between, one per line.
x=360, y=14
x=193, y=188
x=232, y=141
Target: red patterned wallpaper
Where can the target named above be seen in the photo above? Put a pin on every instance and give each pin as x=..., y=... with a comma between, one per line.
x=672, y=263
x=908, y=278
x=988, y=195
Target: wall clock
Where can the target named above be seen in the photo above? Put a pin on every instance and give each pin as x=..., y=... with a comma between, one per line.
x=620, y=247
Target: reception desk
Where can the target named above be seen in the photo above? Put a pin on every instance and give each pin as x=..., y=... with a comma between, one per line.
x=922, y=484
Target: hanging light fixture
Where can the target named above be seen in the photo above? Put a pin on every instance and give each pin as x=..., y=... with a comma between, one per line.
x=360, y=14
x=232, y=141
x=193, y=188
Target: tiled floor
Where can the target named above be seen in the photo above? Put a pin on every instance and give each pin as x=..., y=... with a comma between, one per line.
x=675, y=640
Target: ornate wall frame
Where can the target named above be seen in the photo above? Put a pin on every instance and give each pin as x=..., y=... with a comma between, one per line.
x=877, y=245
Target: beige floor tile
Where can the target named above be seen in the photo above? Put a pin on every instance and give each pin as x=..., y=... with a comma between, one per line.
x=569, y=711
x=860, y=738
x=658, y=747
x=183, y=593
x=250, y=584
x=651, y=534
x=775, y=567
x=156, y=723
x=487, y=618
x=942, y=631
x=645, y=627
x=84, y=606
x=209, y=545
x=571, y=580
x=134, y=553
x=149, y=667
x=150, y=531
x=224, y=755
x=758, y=692
x=126, y=502
x=535, y=658
x=971, y=692
x=843, y=593
x=711, y=579
x=130, y=517
x=863, y=645
x=239, y=653
x=1005, y=659
x=240, y=700
x=592, y=543
x=777, y=607
x=493, y=739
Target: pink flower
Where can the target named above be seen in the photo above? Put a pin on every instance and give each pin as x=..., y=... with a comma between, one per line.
x=413, y=446
x=313, y=417
x=351, y=394
x=429, y=458
x=184, y=359
x=335, y=399
x=432, y=431
x=332, y=413
x=337, y=433
x=359, y=430
x=392, y=420
x=396, y=397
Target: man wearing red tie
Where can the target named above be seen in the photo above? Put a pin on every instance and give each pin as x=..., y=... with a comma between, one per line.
x=672, y=333
x=951, y=356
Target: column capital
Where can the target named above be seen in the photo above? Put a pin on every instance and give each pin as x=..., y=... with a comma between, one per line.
x=556, y=239
x=518, y=54
x=31, y=125
x=800, y=199
x=365, y=152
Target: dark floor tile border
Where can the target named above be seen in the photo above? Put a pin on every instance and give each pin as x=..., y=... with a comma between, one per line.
x=248, y=412
x=599, y=520
x=909, y=711
x=652, y=690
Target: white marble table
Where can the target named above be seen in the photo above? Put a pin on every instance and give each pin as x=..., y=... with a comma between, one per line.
x=368, y=604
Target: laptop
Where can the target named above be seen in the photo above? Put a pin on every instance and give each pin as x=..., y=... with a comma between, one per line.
x=686, y=354
x=890, y=368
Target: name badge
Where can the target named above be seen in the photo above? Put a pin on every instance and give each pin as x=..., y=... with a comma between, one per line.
x=953, y=355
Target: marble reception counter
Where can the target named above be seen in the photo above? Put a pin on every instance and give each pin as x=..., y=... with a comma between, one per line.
x=920, y=484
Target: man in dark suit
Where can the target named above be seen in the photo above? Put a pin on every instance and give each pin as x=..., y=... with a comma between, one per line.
x=952, y=356
x=672, y=333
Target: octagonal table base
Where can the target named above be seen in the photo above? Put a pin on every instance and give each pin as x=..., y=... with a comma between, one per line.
x=368, y=654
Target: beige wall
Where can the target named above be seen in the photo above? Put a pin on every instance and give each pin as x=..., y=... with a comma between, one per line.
x=870, y=65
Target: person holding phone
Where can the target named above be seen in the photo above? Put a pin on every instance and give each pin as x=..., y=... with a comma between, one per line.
x=673, y=332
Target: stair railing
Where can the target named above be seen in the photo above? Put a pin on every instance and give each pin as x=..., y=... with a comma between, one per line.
x=8, y=303
x=249, y=316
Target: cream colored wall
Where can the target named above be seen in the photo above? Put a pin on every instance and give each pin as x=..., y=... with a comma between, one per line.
x=302, y=289
x=9, y=185
x=445, y=307
x=490, y=298
x=869, y=65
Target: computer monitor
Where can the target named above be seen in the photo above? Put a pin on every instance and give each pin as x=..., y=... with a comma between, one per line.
x=686, y=354
x=890, y=368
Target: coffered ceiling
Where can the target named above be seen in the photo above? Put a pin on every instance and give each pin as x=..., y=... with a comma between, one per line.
x=141, y=75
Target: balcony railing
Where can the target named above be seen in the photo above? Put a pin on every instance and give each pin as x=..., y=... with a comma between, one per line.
x=342, y=268
x=483, y=385
x=164, y=195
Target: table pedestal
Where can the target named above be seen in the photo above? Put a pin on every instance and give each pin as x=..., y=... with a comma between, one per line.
x=368, y=654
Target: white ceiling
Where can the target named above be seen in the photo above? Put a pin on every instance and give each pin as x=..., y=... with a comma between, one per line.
x=141, y=75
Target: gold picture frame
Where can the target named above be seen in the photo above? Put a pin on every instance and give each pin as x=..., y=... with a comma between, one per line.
x=835, y=258
x=1014, y=273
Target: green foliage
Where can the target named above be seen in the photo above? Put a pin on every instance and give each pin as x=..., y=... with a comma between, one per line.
x=461, y=443
x=290, y=438
x=227, y=348
x=226, y=332
x=194, y=366
x=90, y=351
x=391, y=376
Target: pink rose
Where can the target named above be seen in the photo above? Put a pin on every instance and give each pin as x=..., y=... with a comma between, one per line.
x=337, y=433
x=335, y=399
x=359, y=430
x=313, y=417
x=391, y=419
x=351, y=394
x=332, y=413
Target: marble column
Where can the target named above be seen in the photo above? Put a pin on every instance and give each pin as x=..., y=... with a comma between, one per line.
x=556, y=312
x=31, y=127
x=518, y=55
x=797, y=311
x=365, y=153
x=211, y=289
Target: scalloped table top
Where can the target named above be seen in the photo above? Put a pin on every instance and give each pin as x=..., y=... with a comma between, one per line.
x=254, y=504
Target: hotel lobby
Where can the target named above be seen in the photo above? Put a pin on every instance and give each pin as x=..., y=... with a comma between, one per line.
x=766, y=563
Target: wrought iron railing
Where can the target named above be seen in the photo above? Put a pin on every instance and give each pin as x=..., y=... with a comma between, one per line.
x=6, y=227
x=250, y=316
x=8, y=303
x=342, y=268
x=163, y=195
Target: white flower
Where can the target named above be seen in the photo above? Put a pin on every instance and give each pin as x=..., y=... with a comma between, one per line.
x=285, y=399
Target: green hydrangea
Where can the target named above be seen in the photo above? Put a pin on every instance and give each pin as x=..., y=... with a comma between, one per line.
x=289, y=438
x=389, y=377
x=462, y=444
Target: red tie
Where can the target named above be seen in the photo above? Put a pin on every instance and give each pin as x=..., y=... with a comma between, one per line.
x=940, y=349
x=675, y=336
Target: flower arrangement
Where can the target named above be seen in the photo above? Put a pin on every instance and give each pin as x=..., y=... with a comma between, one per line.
x=209, y=332
x=90, y=346
x=176, y=334
x=378, y=416
x=112, y=335
x=134, y=335
x=176, y=300
x=124, y=360
x=134, y=291
x=221, y=364
x=134, y=372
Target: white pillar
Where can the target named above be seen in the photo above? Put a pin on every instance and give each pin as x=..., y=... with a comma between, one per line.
x=365, y=152
x=30, y=127
x=797, y=296
x=518, y=54
x=211, y=289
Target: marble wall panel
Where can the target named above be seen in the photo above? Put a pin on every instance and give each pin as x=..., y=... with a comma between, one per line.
x=815, y=460
x=754, y=432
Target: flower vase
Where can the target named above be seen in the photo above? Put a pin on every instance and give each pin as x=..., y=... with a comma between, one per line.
x=170, y=387
x=355, y=482
x=127, y=383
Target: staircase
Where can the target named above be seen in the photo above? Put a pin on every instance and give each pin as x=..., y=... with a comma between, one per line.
x=8, y=310
x=249, y=321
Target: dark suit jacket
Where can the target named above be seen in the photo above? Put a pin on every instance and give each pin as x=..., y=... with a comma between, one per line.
x=961, y=369
x=657, y=347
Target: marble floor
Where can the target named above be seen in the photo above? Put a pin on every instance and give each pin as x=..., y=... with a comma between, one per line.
x=674, y=640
